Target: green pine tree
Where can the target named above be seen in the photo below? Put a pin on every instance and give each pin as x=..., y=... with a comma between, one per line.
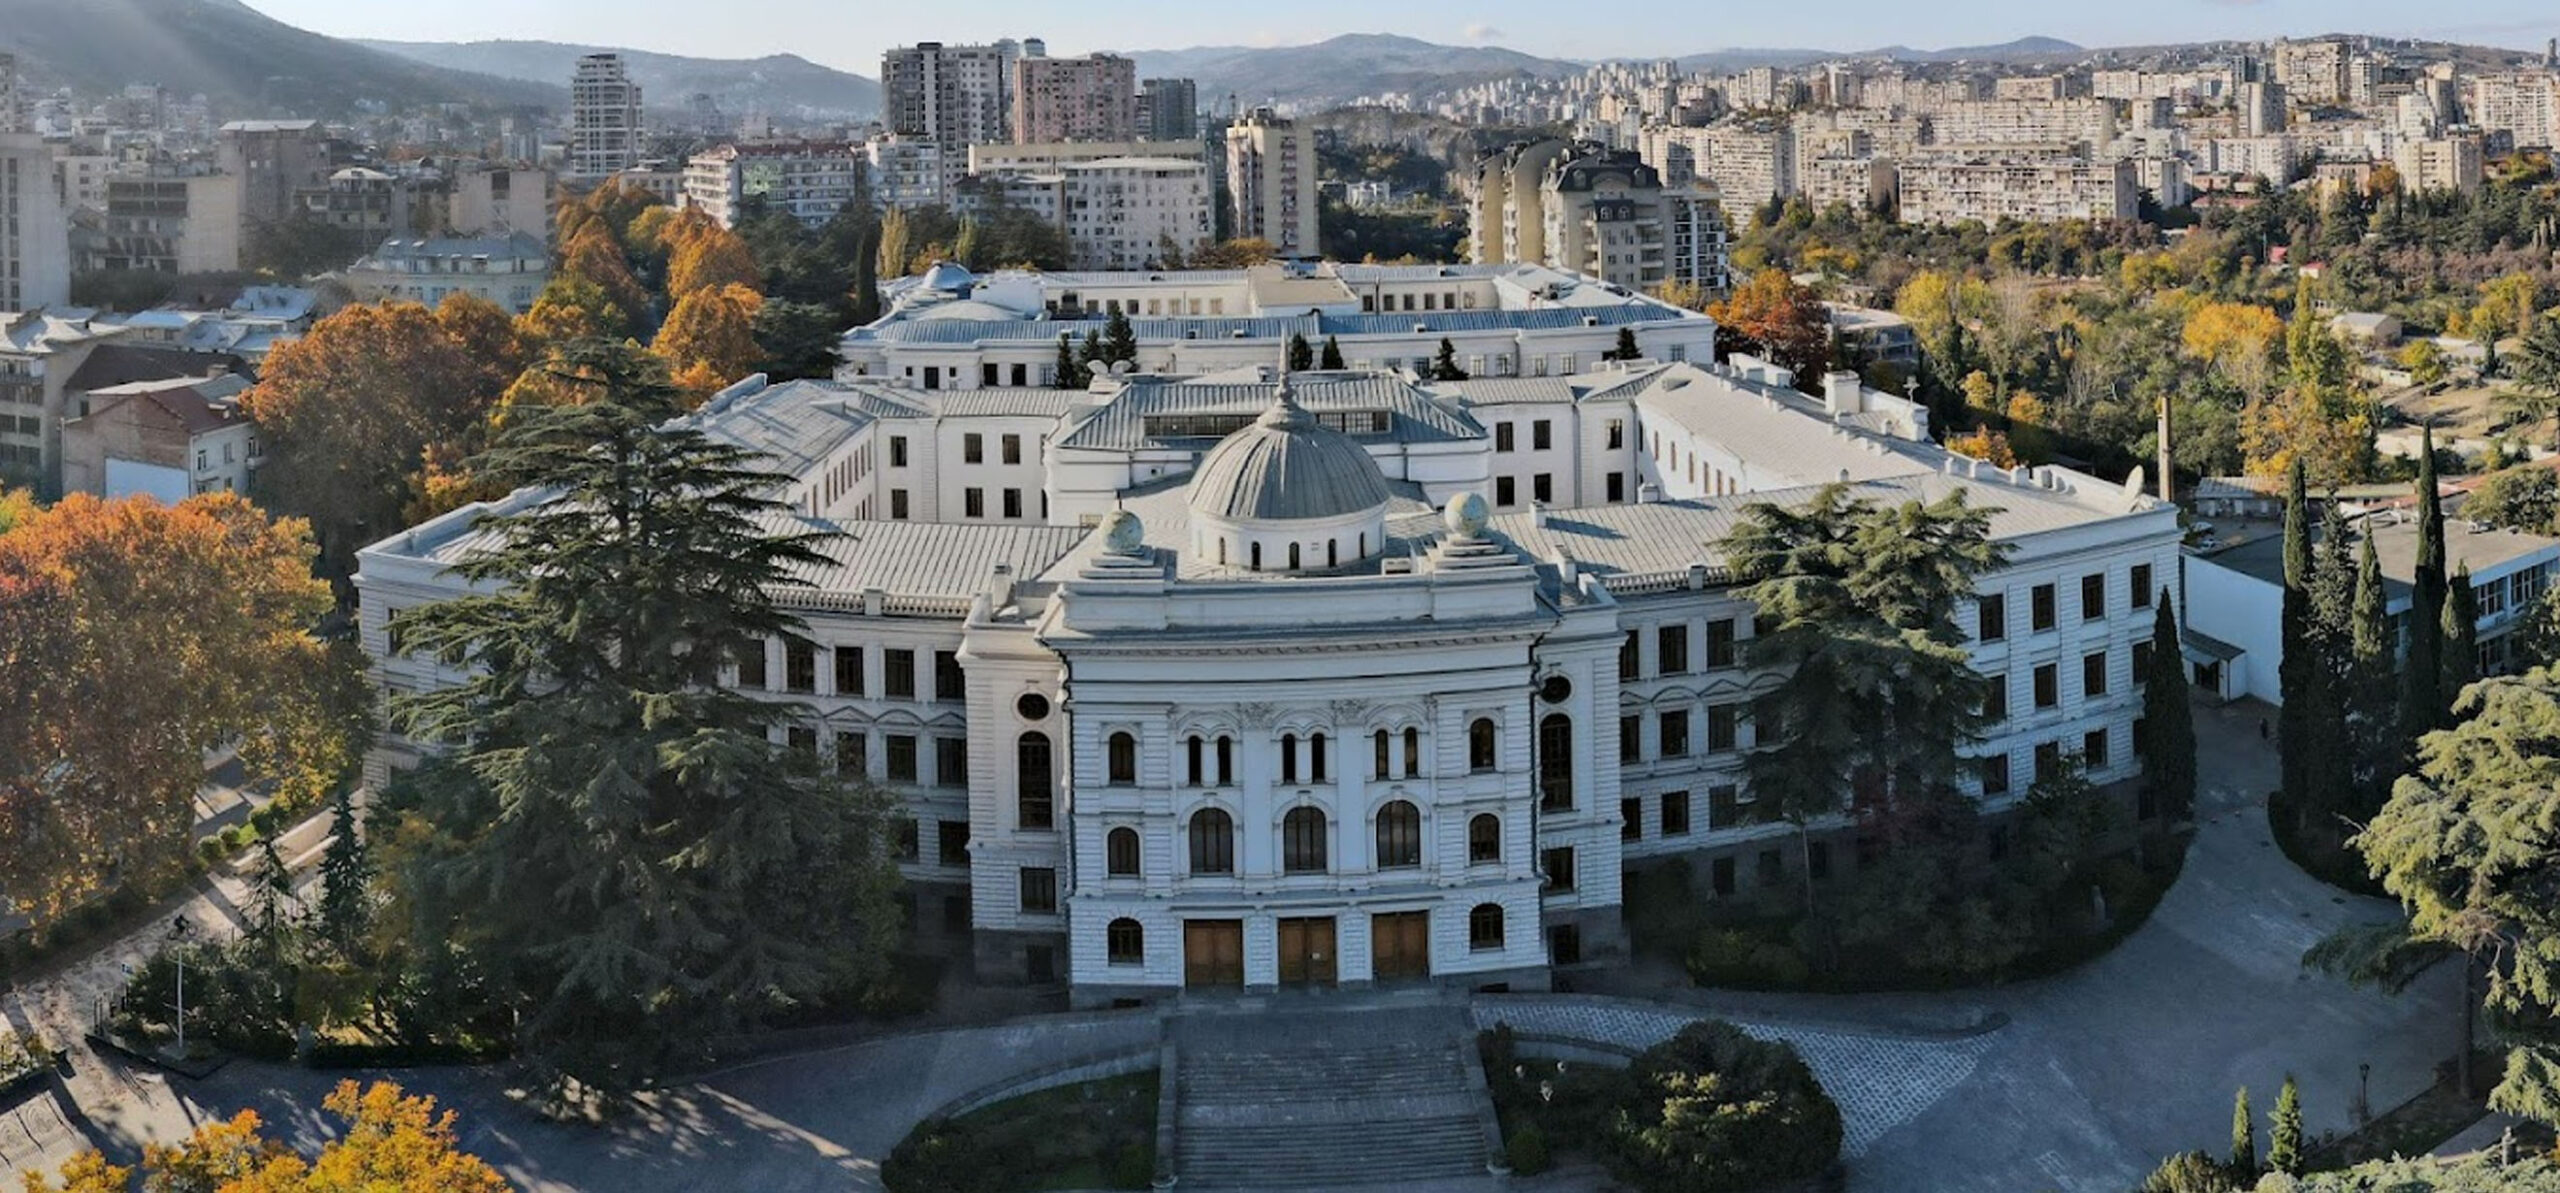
x=1301, y=356
x=2169, y=731
x=1444, y=366
x=611, y=835
x=2461, y=637
x=2284, y=1131
x=271, y=897
x=346, y=874
x=1626, y=348
x=2297, y=668
x=1119, y=340
x=2422, y=699
x=1090, y=356
x=1332, y=355
x=2244, y=1136
x=2375, y=718
x=1070, y=371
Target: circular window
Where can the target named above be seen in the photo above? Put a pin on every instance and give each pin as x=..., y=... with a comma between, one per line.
x=1555, y=689
x=1032, y=706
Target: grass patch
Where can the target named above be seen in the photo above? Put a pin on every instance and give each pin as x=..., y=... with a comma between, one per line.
x=2318, y=847
x=1092, y=1135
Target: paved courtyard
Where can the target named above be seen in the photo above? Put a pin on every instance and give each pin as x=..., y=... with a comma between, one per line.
x=2076, y=1083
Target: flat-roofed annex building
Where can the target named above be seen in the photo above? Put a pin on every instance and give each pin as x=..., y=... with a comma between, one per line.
x=1191, y=682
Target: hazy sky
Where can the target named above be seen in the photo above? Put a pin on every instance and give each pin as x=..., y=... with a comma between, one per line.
x=850, y=34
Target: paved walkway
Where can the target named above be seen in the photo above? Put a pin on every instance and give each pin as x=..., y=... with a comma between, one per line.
x=2075, y=1083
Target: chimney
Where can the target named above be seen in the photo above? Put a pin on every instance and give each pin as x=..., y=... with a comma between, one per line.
x=1841, y=393
x=2165, y=475
x=1648, y=493
x=1000, y=591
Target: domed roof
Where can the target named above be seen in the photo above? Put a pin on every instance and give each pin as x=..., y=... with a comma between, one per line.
x=1286, y=467
x=949, y=278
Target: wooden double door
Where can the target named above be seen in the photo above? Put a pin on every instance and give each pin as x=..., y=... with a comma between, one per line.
x=1213, y=953
x=1306, y=951
x=1400, y=945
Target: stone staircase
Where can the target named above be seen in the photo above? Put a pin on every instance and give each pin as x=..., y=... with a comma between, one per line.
x=1331, y=1100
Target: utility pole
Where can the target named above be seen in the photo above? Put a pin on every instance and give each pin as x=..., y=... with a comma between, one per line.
x=2168, y=480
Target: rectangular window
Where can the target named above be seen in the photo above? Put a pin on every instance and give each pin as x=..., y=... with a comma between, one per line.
x=2093, y=749
x=799, y=665
x=803, y=742
x=1504, y=492
x=848, y=670
x=1724, y=806
x=1013, y=449
x=897, y=505
x=2041, y=609
x=1617, y=434
x=2141, y=662
x=2093, y=597
x=1675, y=813
x=1995, y=700
x=1630, y=739
x=951, y=842
x=973, y=448
x=1013, y=503
x=1039, y=890
x=898, y=674
x=1617, y=487
x=1558, y=863
x=751, y=665
x=1630, y=818
x=897, y=451
x=1542, y=488
x=910, y=841
x=1674, y=727
x=951, y=762
x=1542, y=435
x=853, y=755
x=1991, y=618
x=902, y=758
x=1721, y=720
x=1995, y=775
x=2093, y=674
x=947, y=684
x=1720, y=644
x=1772, y=871
x=2048, y=686
x=2142, y=586
x=1502, y=437
x=1671, y=650
x=2048, y=760
x=973, y=503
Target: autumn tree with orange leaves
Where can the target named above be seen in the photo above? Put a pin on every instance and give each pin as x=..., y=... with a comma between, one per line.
x=135, y=637
x=392, y=1141
x=1780, y=321
x=709, y=339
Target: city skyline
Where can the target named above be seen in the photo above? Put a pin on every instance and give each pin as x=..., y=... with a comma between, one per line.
x=838, y=38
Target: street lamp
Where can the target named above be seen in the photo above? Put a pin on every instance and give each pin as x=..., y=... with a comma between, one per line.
x=177, y=935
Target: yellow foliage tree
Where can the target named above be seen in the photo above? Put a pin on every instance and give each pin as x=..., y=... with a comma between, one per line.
x=87, y=1172
x=705, y=256
x=2237, y=339
x=709, y=339
x=1986, y=445
x=392, y=1143
x=2507, y=306
x=2332, y=444
x=571, y=308
x=2029, y=436
x=596, y=256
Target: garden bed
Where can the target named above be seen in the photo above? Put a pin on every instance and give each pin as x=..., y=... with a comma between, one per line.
x=1091, y=1135
x=24, y=1065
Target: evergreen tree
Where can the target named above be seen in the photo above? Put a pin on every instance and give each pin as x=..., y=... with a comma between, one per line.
x=612, y=837
x=2329, y=760
x=2461, y=637
x=346, y=871
x=2169, y=732
x=2375, y=723
x=1444, y=366
x=2244, y=1136
x=1090, y=358
x=1332, y=355
x=1069, y=370
x=2422, y=701
x=1626, y=348
x=271, y=899
x=1119, y=340
x=1301, y=356
x=2297, y=669
x=2284, y=1130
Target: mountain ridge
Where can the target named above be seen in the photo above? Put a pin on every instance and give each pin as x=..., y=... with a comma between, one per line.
x=782, y=84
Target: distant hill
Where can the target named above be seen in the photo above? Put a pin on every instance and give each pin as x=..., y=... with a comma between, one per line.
x=1345, y=67
x=779, y=85
x=2025, y=50
x=245, y=62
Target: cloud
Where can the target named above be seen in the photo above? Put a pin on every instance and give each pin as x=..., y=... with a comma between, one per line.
x=1484, y=32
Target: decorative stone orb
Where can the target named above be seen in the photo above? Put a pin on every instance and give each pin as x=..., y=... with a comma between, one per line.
x=1465, y=515
x=1122, y=533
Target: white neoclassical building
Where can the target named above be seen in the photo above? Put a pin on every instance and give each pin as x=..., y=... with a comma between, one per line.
x=1241, y=681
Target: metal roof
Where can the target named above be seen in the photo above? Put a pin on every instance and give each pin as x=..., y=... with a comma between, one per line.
x=1413, y=417
x=1286, y=466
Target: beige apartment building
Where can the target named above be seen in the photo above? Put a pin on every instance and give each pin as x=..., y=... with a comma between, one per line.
x=1094, y=98
x=1271, y=181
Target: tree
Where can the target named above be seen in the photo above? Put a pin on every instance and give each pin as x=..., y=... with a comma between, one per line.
x=134, y=639
x=2375, y=727
x=1984, y=444
x=2422, y=698
x=894, y=243
x=1879, y=694
x=346, y=875
x=2461, y=636
x=2298, y=667
x=2536, y=373
x=1241, y=253
x=2462, y=843
x=644, y=871
x=1626, y=348
x=1783, y=321
x=2425, y=362
x=1119, y=339
x=87, y=1172
x=1332, y=358
x=2284, y=1131
x=390, y=1141
x=1444, y=364
x=2319, y=416
x=488, y=337
x=2525, y=497
x=1712, y=1109
x=798, y=339
x=709, y=257
x=709, y=339
x=572, y=308
x=2169, y=732
x=2244, y=1135
x=596, y=256
x=1301, y=356
x=348, y=413
x=1070, y=372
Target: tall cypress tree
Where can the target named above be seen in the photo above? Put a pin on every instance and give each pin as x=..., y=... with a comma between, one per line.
x=2294, y=671
x=1302, y=356
x=2422, y=702
x=2461, y=638
x=2375, y=711
x=345, y=872
x=1332, y=354
x=1070, y=371
x=2168, y=730
x=2329, y=760
x=2284, y=1131
x=2244, y=1135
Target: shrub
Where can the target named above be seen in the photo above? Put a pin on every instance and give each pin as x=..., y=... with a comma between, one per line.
x=1526, y=1150
x=1713, y=1109
x=2190, y=1172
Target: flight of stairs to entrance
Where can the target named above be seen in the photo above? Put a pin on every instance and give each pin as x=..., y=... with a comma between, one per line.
x=1332, y=1100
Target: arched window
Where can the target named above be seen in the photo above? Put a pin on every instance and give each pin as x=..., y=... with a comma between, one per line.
x=1481, y=754
x=1120, y=852
x=1293, y=557
x=1192, y=751
x=1484, y=926
x=1256, y=553
x=1213, y=842
x=1222, y=552
x=1315, y=759
x=1333, y=553
x=1399, y=835
x=1302, y=841
x=1484, y=839
x=1034, y=806
x=1226, y=761
x=1555, y=763
x=1124, y=759
x=1288, y=758
x=1379, y=743
x=1125, y=941
x=1412, y=752
x=1364, y=544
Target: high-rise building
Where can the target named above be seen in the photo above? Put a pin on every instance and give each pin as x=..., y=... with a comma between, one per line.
x=1094, y=98
x=1271, y=182
x=1603, y=213
x=810, y=182
x=272, y=159
x=35, y=241
x=1168, y=110
x=954, y=96
x=605, y=128
x=2314, y=71
x=13, y=109
x=2261, y=109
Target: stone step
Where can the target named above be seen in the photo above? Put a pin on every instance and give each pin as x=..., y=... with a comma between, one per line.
x=1319, y=1158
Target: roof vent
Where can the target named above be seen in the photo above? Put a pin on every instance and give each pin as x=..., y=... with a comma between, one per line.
x=1397, y=565
x=1591, y=320
x=1420, y=328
